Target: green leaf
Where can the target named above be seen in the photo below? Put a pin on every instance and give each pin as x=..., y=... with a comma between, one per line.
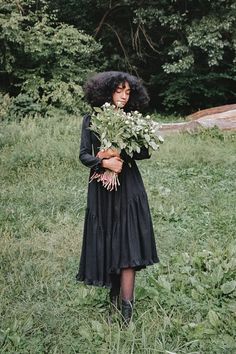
x=228, y=287
x=164, y=283
x=97, y=327
x=28, y=324
x=153, y=145
x=147, y=137
x=232, y=264
x=232, y=307
x=213, y=318
x=229, y=341
x=84, y=332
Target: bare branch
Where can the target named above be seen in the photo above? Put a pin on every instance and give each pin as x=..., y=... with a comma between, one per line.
x=137, y=42
x=149, y=40
x=121, y=44
x=20, y=8
x=107, y=13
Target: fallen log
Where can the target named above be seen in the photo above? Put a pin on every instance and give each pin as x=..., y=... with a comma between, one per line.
x=223, y=117
x=211, y=111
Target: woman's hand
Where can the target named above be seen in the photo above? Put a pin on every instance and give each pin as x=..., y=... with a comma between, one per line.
x=106, y=154
x=114, y=164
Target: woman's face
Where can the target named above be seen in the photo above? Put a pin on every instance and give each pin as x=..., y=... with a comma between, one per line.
x=121, y=95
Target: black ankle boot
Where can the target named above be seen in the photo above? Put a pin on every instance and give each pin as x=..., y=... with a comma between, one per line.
x=115, y=300
x=115, y=291
x=114, y=305
x=127, y=311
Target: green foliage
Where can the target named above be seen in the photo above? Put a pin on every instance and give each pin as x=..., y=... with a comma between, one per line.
x=185, y=51
x=120, y=130
x=5, y=102
x=186, y=304
x=23, y=105
x=196, y=51
x=197, y=294
x=44, y=61
x=182, y=92
x=211, y=133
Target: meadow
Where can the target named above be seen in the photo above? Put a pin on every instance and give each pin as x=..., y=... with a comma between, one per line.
x=186, y=304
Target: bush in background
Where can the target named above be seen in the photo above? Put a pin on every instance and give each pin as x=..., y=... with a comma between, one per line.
x=43, y=62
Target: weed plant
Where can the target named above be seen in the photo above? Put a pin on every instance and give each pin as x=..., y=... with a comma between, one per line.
x=186, y=304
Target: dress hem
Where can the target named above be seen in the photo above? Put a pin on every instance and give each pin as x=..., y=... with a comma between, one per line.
x=98, y=283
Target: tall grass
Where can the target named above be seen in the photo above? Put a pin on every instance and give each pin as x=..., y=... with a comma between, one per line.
x=184, y=305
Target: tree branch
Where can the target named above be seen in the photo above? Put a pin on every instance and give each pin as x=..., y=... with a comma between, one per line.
x=149, y=40
x=121, y=44
x=107, y=13
x=20, y=8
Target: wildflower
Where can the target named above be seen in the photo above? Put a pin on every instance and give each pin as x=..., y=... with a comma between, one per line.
x=106, y=105
x=120, y=130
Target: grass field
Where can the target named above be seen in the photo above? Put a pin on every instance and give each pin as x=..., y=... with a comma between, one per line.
x=186, y=304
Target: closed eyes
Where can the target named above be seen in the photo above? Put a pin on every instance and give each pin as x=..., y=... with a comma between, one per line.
x=120, y=90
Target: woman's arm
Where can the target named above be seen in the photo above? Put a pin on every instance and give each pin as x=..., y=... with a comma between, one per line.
x=106, y=154
x=85, y=155
x=113, y=163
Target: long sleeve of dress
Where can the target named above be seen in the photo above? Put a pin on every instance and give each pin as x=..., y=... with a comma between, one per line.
x=86, y=149
x=143, y=154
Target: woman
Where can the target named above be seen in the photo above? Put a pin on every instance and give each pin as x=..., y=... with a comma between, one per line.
x=118, y=235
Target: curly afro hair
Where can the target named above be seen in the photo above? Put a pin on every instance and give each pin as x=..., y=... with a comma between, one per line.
x=100, y=88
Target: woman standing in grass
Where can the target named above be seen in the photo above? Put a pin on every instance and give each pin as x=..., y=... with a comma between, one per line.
x=118, y=235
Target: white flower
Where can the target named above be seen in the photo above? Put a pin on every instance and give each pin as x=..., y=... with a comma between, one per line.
x=106, y=105
x=120, y=104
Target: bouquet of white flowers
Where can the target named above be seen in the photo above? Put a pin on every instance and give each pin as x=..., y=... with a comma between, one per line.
x=118, y=130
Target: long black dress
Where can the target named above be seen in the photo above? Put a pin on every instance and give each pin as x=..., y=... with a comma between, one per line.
x=118, y=231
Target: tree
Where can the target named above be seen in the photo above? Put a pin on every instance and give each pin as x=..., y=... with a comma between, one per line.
x=43, y=62
x=184, y=50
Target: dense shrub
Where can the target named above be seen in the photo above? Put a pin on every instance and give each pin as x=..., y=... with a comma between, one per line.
x=43, y=62
x=185, y=51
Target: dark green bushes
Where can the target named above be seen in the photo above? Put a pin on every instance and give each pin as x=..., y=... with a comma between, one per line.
x=43, y=62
